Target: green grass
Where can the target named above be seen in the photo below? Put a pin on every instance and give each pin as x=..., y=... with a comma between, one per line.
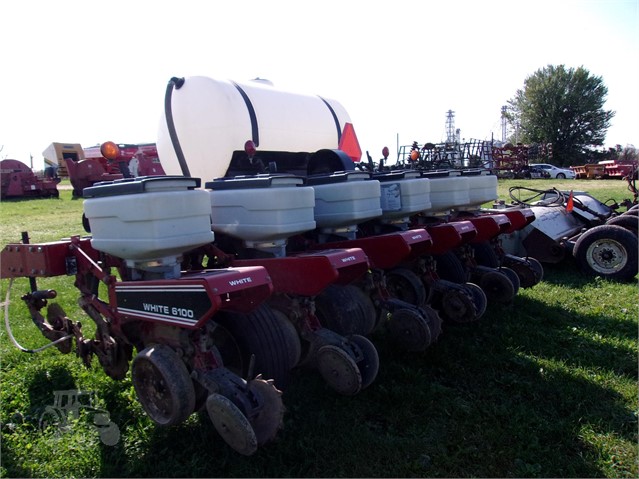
x=545, y=387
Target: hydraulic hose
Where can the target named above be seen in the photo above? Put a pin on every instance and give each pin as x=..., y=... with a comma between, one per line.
x=10, y=333
x=176, y=83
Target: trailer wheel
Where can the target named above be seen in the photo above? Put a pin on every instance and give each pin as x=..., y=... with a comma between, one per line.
x=163, y=385
x=260, y=334
x=405, y=285
x=450, y=268
x=345, y=309
x=485, y=254
x=629, y=222
x=609, y=251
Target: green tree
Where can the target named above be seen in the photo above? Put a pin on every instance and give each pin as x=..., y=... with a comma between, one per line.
x=564, y=107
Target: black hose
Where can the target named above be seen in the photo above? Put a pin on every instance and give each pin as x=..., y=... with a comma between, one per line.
x=168, y=112
x=557, y=201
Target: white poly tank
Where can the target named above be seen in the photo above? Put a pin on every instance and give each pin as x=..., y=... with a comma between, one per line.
x=148, y=219
x=261, y=208
x=345, y=199
x=213, y=118
x=403, y=193
x=448, y=190
x=482, y=187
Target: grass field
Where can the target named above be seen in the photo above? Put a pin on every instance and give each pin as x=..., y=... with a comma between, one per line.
x=544, y=387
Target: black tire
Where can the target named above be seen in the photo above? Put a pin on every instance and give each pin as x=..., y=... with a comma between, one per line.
x=609, y=251
x=485, y=254
x=369, y=364
x=512, y=276
x=450, y=268
x=345, y=309
x=405, y=285
x=497, y=286
x=629, y=222
x=631, y=212
x=633, y=208
x=260, y=334
x=560, y=176
x=163, y=385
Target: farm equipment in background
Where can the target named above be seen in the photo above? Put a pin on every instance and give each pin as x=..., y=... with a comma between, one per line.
x=607, y=169
x=17, y=180
x=106, y=162
x=601, y=238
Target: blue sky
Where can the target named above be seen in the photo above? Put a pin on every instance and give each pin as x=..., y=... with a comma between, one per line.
x=91, y=71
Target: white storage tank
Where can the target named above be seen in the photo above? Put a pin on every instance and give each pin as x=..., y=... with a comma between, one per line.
x=148, y=218
x=261, y=208
x=403, y=193
x=211, y=119
x=482, y=187
x=345, y=198
x=448, y=190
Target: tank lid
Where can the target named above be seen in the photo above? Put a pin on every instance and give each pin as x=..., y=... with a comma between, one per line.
x=395, y=175
x=337, y=177
x=475, y=172
x=253, y=181
x=440, y=173
x=144, y=184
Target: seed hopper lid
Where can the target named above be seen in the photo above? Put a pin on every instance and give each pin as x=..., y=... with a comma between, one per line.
x=253, y=181
x=146, y=184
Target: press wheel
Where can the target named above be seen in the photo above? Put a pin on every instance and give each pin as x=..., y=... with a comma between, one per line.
x=231, y=424
x=512, y=276
x=479, y=299
x=409, y=330
x=269, y=420
x=369, y=364
x=458, y=306
x=497, y=287
x=339, y=370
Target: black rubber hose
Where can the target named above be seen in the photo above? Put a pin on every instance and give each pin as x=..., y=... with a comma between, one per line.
x=176, y=83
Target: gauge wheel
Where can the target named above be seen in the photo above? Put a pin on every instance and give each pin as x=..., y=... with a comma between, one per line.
x=163, y=385
x=369, y=363
x=259, y=334
x=609, y=251
x=485, y=254
x=339, y=370
x=497, y=287
x=231, y=424
x=512, y=276
x=450, y=268
x=268, y=420
x=409, y=330
x=405, y=285
x=345, y=309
